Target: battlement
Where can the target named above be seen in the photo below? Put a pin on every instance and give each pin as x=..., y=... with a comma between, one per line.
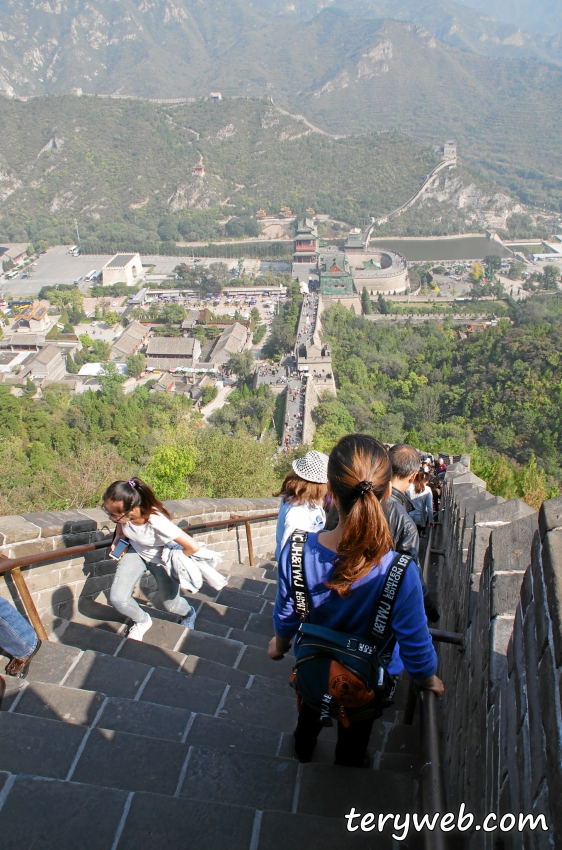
x=499, y=584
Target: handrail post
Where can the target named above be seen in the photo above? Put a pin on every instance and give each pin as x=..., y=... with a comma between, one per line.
x=27, y=600
x=250, y=544
x=431, y=775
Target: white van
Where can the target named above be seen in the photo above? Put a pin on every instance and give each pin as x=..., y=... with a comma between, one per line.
x=91, y=275
x=11, y=275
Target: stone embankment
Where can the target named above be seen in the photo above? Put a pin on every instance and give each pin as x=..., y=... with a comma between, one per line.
x=500, y=584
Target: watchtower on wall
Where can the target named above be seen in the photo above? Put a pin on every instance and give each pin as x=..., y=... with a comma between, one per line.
x=450, y=149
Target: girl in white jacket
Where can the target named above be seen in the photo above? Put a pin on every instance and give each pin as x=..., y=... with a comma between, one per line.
x=146, y=525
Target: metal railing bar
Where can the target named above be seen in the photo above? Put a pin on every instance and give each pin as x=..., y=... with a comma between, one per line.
x=13, y=565
x=447, y=637
x=431, y=774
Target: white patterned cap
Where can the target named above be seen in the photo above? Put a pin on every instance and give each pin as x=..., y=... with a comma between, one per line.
x=312, y=467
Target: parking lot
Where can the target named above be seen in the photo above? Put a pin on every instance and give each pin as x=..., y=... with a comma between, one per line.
x=58, y=266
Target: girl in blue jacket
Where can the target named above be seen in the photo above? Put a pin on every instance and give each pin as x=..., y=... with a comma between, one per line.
x=345, y=570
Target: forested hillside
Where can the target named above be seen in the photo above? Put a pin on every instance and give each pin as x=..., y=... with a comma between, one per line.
x=124, y=169
x=500, y=389
x=63, y=451
x=350, y=70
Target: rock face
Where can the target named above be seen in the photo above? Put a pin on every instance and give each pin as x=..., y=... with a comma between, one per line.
x=459, y=190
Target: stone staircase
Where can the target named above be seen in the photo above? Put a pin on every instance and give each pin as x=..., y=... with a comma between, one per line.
x=184, y=741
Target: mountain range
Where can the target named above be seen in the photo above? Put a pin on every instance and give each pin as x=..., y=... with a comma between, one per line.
x=429, y=69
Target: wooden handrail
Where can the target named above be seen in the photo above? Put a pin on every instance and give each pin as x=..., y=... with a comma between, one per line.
x=13, y=565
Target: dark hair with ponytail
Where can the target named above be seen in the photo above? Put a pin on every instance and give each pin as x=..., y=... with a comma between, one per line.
x=359, y=471
x=134, y=493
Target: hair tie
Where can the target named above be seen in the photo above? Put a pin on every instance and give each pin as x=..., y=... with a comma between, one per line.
x=131, y=483
x=365, y=487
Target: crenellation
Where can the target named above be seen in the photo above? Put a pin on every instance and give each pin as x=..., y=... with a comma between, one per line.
x=502, y=700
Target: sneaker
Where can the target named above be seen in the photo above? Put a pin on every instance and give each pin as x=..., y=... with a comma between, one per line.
x=138, y=630
x=189, y=620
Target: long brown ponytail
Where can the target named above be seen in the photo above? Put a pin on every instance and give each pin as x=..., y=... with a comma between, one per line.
x=359, y=472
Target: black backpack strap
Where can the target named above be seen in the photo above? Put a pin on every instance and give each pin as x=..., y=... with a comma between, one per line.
x=298, y=581
x=380, y=625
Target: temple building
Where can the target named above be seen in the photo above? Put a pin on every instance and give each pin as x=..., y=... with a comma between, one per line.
x=305, y=253
x=355, y=240
x=335, y=275
x=306, y=243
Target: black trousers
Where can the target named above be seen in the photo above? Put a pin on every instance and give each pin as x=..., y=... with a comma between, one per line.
x=352, y=740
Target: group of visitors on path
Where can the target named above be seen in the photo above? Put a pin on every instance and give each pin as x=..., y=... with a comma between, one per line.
x=350, y=592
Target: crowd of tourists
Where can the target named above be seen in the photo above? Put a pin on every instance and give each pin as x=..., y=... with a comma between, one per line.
x=351, y=598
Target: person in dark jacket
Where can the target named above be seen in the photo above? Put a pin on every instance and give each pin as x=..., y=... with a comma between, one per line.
x=406, y=462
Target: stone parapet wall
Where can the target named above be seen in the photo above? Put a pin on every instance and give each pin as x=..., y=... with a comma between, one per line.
x=60, y=587
x=500, y=584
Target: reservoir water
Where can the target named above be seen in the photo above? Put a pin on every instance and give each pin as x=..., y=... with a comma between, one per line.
x=442, y=248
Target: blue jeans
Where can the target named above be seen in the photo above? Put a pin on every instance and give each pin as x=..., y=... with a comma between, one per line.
x=17, y=637
x=130, y=570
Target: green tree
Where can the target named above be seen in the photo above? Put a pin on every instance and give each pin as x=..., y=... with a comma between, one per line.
x=383, y=304
x=168, y=469
x=209, y=394
x=174, y=314
x=516, y=270
x=71, y=366
x=30, y=250
x=493, y=263
x=366, y=305
x=242, y=364
x=101, y=351
x=110, y=318
x=550, y=278
x=259, y=334
x=136, y=363
x=86, y=340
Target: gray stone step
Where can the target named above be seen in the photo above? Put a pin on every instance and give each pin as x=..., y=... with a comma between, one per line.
x=38, y=746
x=240, y=778
x=183, y=824
x=261, y=623
x=260, y=709
x=65, y=815
x=130, y=762
x=345, y=787
x=403, y=739
x=287, y=831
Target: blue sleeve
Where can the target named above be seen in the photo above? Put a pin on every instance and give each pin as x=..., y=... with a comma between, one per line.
x=286, y=621
x=429, y=498
x=409, y=626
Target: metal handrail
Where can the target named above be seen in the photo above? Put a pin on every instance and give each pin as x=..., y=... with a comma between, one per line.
x=13, y=565
x=432, y=780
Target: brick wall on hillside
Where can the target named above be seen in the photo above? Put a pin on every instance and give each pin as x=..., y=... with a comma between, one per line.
x=501, y=585
x=59, y=588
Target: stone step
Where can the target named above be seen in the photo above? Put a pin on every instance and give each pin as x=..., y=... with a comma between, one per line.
x=260, y=709
x=240, y=778
x=107, y=817
x=345, y=787
x=287, y=831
